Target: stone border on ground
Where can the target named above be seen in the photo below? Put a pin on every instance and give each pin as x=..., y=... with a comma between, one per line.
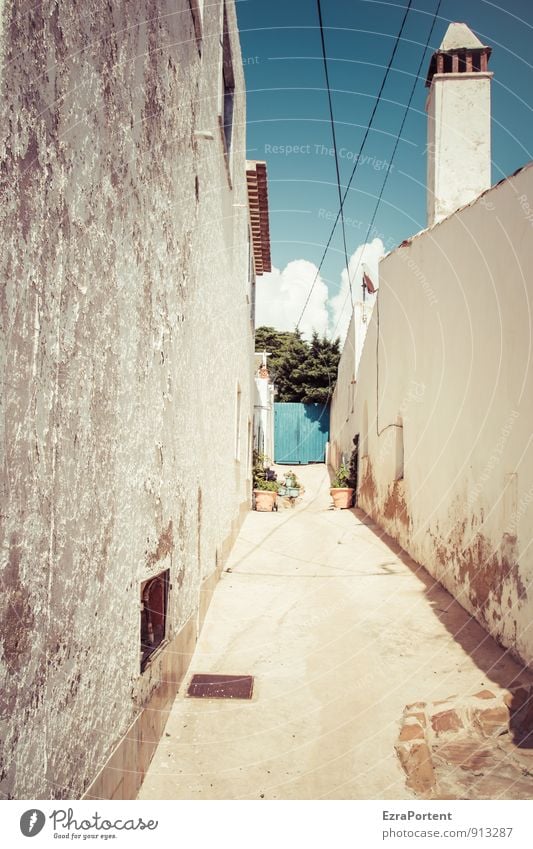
x=473, y=747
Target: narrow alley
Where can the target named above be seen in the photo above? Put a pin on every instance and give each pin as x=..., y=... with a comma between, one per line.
x=341, y=630
x=266, y=491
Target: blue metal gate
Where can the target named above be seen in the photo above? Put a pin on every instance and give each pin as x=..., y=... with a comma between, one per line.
x=300, y=433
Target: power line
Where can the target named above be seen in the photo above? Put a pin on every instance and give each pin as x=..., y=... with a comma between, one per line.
x=396, y=143
x=358, y=158
x=332, y=122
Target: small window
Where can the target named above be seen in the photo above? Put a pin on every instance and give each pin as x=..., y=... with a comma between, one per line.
x=398, y=458
x=228, y=88
x=154, y=601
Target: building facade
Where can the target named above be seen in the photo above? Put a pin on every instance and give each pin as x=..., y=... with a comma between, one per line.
x=263, y=408
x=443, y=401
x=126, y=360
x=343, y=398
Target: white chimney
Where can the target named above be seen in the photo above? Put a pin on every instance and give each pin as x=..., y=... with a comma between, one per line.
x=458, y=108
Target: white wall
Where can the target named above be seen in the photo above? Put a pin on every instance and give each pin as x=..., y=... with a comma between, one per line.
x=125, y=333
x=343, y=399
x=459, y=157
x=454, y=370
x=264, y=417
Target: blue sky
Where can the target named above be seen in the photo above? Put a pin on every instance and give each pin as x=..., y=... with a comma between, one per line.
x=287, y=108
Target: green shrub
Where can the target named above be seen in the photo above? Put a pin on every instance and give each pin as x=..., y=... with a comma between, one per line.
x=269, y=486
x=342, y=478
x=259, y=477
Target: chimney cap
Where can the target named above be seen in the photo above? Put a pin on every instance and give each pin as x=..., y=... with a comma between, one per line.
x=459, y=39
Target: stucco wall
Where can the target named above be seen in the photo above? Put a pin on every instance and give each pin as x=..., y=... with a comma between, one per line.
x=459, y=157
x=343, y=399
x=125, y=332
x=342, y=402
x=264, y=417
x=449, y=385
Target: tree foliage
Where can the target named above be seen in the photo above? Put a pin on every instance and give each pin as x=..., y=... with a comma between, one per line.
x=302, y=371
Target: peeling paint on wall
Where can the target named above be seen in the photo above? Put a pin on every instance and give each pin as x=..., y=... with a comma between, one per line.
x=165, y=546
x=395, y=507
x=17, y=617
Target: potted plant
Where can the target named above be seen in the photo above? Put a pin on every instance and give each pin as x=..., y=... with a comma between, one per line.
x=341, y=491
x=265, y=496
x=265, y=486
x=292, y=485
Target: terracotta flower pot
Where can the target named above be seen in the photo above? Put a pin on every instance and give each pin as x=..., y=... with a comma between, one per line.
x=342, y=497
x=264, y=500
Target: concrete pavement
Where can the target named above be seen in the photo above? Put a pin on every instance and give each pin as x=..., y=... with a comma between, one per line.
x=341, y=630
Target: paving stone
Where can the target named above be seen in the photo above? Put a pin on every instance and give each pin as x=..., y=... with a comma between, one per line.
x=416, y=760
x=474, y=747
x=467, y=754
x=484, y=694
x=411, y=731
x=446, y=721
x=492, y=721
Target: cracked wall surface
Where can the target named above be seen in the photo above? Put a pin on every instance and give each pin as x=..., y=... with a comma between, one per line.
x=125, y=331
x=446, y=371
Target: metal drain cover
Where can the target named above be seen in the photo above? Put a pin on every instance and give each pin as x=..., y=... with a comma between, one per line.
x=221, y=686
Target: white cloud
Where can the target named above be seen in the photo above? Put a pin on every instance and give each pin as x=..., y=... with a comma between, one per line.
x=281, y=295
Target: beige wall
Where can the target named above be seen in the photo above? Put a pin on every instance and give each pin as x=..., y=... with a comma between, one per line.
x=342, y=402
x=125, y=335
x=459, y=157
x=454, y=370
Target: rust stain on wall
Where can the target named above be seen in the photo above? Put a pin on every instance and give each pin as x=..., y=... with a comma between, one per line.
x=395, y=506
x=490, y=571
x=165, y=545
x=367, y=487
x=485, y=571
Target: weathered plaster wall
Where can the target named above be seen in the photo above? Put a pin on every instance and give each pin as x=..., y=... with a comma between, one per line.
x=451, y=393
x=459, y=158
x=343, y=398
x=125, y=332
